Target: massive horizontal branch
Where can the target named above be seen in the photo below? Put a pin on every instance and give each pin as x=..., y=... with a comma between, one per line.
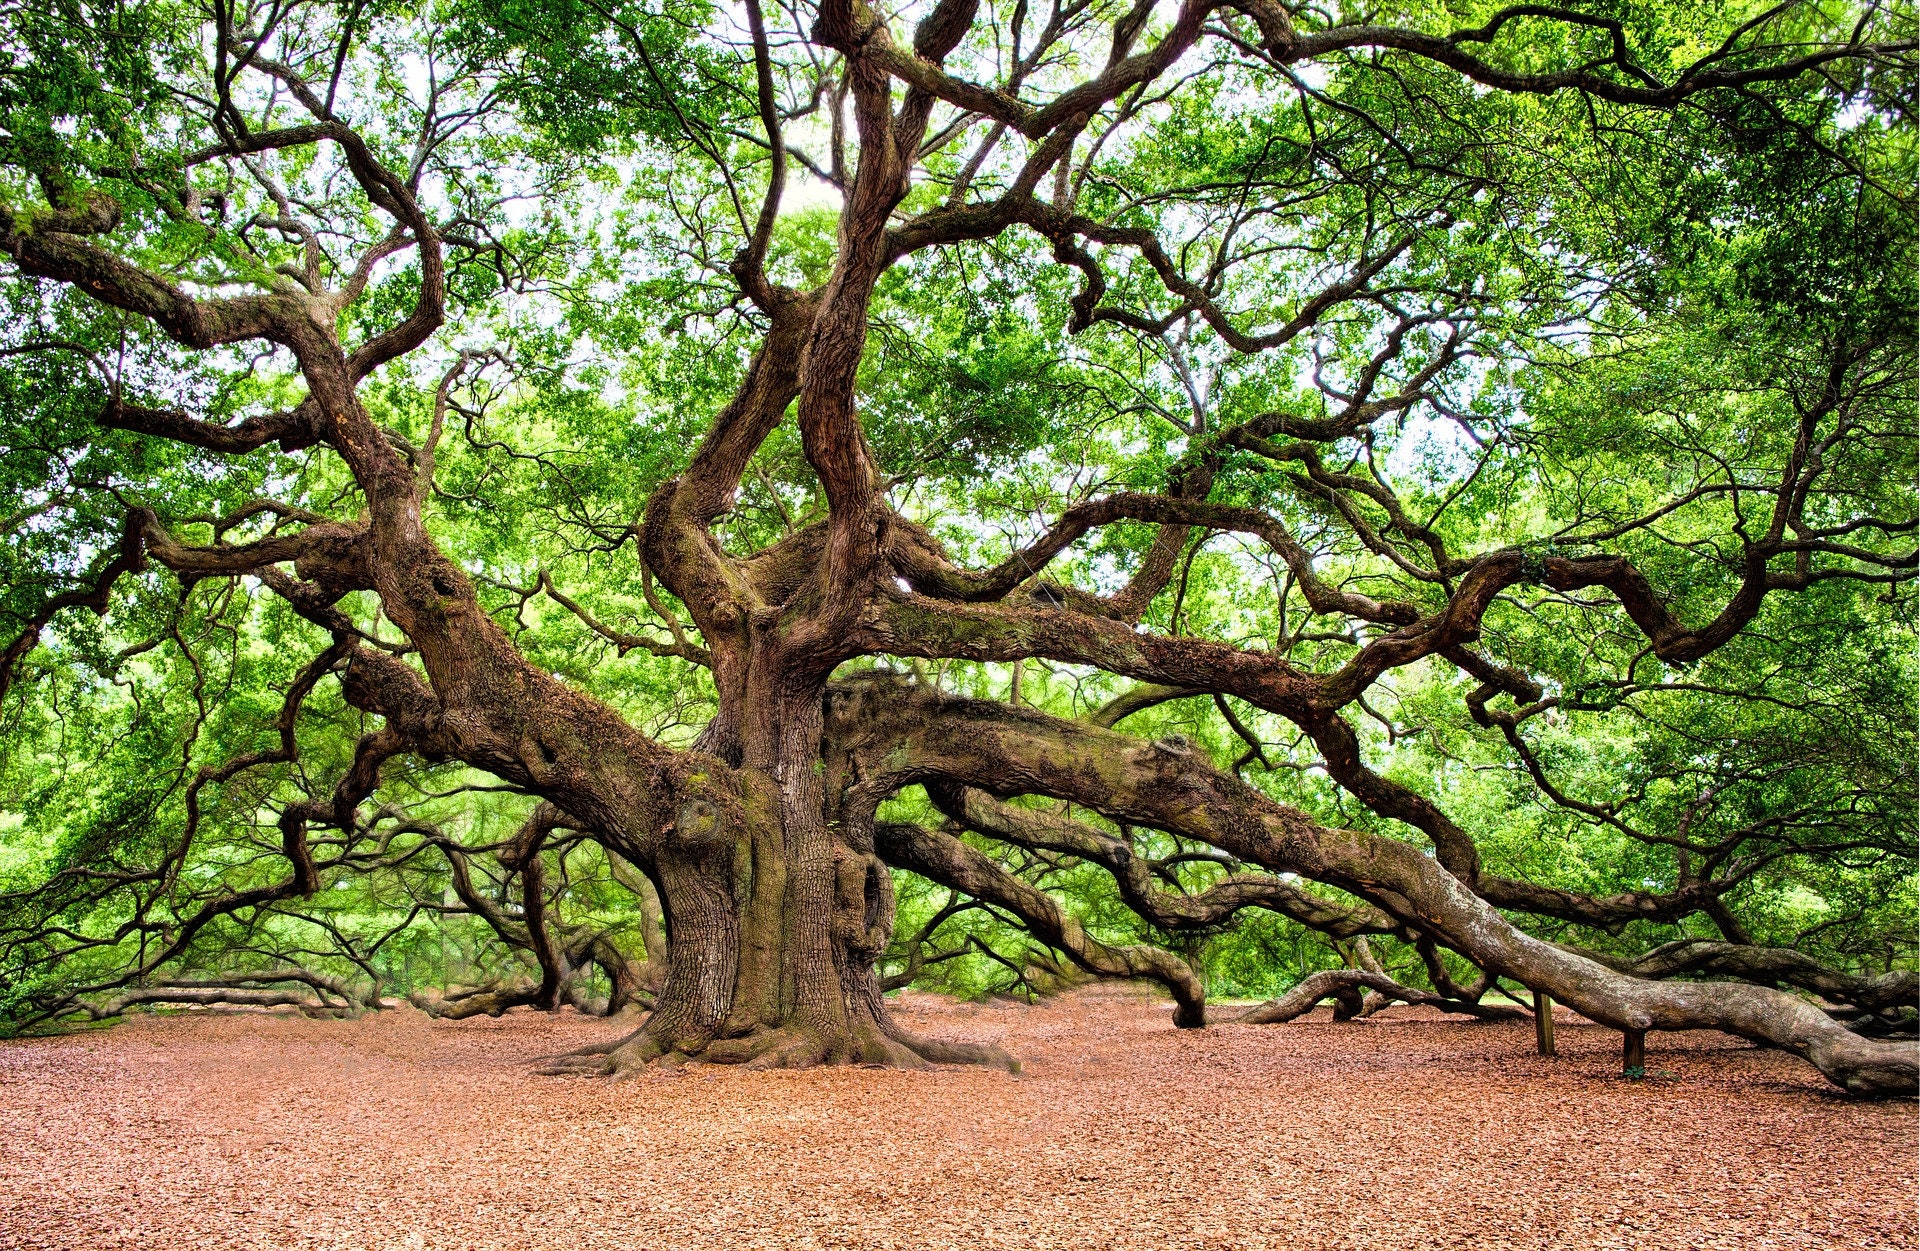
x=996, y=583
x=1775, y=965
x=1341, y=984
x=240, y=987
x=294, y=429
x=54, y=244
x=209, y=996
x=331, y=554
x=899, y=734
x=1050, y=831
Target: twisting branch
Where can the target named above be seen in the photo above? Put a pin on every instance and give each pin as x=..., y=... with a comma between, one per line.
x=1048, y=831
x=945, y=859
x=1344, y=985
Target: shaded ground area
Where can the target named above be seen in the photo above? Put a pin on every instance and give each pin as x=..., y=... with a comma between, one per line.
x=1399, y=1131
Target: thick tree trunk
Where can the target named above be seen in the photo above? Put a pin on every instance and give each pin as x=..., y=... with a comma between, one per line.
x=775, y=921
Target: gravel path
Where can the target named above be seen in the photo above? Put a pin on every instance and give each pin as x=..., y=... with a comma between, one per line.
x=1403, y=1131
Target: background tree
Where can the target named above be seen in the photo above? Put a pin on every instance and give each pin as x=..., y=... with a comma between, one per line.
x=608, y=489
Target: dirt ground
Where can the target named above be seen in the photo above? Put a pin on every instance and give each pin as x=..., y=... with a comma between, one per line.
x=1402, y=1131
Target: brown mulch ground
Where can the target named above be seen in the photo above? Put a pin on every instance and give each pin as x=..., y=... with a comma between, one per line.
x=1403, y=1131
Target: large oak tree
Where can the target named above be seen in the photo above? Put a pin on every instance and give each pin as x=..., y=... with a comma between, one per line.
x=777, y=448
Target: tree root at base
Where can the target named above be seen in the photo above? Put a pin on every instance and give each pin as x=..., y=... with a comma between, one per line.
x=784, y=1047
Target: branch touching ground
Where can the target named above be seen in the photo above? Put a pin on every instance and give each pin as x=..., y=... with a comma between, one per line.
x=899, y=733
x=1344, y=986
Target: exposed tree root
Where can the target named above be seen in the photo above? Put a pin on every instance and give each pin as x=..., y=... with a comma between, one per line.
x=611, y=1057
x=786, y=1047
x=947, y=1051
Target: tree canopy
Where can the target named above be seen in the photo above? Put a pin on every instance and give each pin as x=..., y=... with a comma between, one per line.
x=734, y=510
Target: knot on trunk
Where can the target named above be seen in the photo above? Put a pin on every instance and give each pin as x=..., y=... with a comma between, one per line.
x=337, y=558
x=699, y=825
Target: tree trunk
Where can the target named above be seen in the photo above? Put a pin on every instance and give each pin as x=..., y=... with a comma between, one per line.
x=775, y=923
